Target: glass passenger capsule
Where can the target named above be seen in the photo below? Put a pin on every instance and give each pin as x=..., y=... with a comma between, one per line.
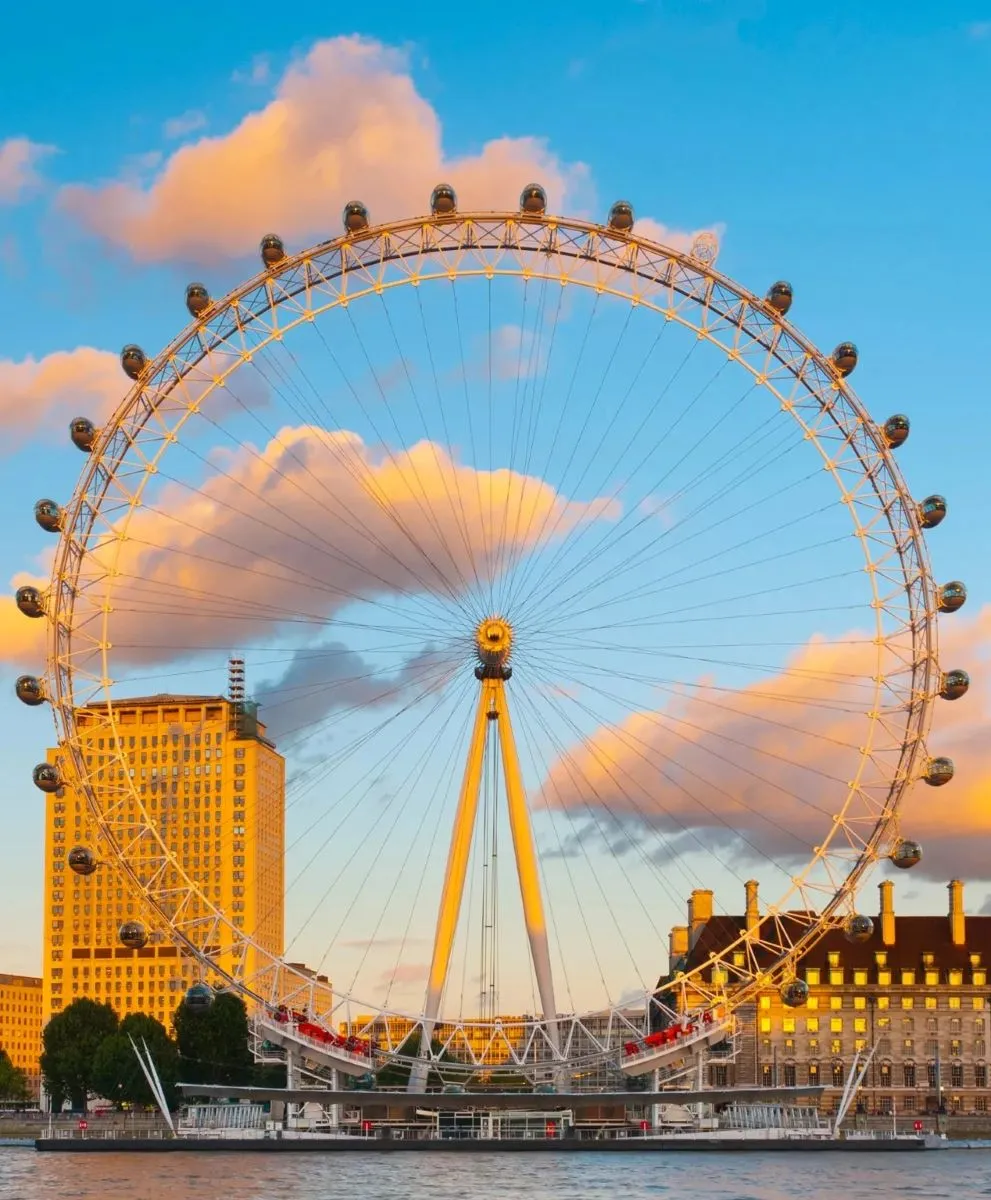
x=780, y=296
x=272, y=249
x=621, y=216
x=845, y=358
x=938, y=771
x=355, y=217
x=951, y=596
x=795, y=993
x=858, y=928
x=199, y=998
x=953, y=684
x=896, y=430
x=133, y=935
x=443, y=201
x=906, y=854
x=932, y=510
x=83, y=433
x=30, y=690
x=82, y=860
x=197, y=299
x=29, y=600
x=46, y=778
x=533, y=200
x=48, y=515
x=133, y=360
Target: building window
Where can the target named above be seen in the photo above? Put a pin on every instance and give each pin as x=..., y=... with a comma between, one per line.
x=811, y=1024
x=787, y=1024
x=860, y=978
x=765, y=1002
x=884, y=978
x=956, y=1075
x=860, y=1025
x=835, y=1001
x=981, y=1075
x=835, y=1024
x=908, y=1075
x=955, y=978
x=766, y=1076
x=838, y=1074
x=932, y=1075
x=718, y=1076
x=860, y=1002
x=907, y=1003
x=812, y=976
x=884, y=1074
x=980, y=980
x=908, y=978
x=836, y=977
x=790, y=1075
x=813, y=1074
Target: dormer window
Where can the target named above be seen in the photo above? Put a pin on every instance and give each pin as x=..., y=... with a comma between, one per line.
x=881, y=958
x=834, y=958
x=928, y=959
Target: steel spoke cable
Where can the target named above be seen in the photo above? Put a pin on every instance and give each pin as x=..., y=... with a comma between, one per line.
x=376, y=767
x=462, y=525
x=633, y=744
x=672, y=688
x=665, y=539
x=362, y=476
x=619, y=534
x=538, y=392
x=555, y=441
x=665, y=542
x=624, y=484
x=421, y=500
x=449, y=446
x=545, y=535
x=471, y=429
x=538, y=718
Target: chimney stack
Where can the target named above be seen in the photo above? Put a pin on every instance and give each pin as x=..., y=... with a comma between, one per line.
x=958, y=922
x=699, y=911
x=677, y=944
x=887, y=912
x=753, y=907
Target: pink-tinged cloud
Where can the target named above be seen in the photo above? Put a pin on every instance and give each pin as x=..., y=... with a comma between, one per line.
x=283, y=537
x=19, y=160
x=346, y=122
x=763, y=768
x=48, y=392
x=186, y=123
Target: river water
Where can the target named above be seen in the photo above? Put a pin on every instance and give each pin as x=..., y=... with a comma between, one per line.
x=944, y=1175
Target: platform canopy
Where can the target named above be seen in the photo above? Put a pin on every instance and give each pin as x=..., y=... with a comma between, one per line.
x=538, y=1101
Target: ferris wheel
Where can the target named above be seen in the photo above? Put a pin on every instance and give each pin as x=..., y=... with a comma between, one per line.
x=571, y=577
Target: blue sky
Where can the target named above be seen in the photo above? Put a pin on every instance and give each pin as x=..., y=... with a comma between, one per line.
x=842, y=152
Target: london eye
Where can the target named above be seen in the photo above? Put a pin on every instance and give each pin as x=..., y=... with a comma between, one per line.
x=569, y=575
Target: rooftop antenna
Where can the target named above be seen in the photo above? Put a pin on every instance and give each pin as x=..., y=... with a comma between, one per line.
x=235, y=692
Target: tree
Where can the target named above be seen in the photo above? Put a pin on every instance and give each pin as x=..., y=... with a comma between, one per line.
x=13, y=1081
x=213, y=1044
x=117, y=1074
x=71, y=1039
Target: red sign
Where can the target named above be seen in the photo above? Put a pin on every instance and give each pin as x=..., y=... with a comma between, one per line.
x=84, y=1124
x=917, y=1126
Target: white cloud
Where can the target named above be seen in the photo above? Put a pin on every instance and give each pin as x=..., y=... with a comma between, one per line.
x=19, y=159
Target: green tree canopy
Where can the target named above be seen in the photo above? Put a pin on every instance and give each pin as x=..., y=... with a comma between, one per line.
x=13, y=1081
x=213, y=1045
x=117, y=1074
x=71, y=1039
x=397, y=1074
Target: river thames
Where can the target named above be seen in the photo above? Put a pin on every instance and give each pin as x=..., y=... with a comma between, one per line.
x=25, y=1175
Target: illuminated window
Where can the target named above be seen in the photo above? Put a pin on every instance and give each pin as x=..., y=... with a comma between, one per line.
x=860, y=1002
x=954, y=1001
x=860, y=1025
x=811, y=1024
x=907, y=1002
x=908, y=978
x=860, y=978
x=835, y=1001
x=980, y=979
x=955, y=978
x=932, y=1002
x=835, y=1024
x=765, y=1024
x=812, y=976
x=884, y=978
x=883, y=1001
x=836, y=977
x=932, y=978
x=765, y=1002
x=788, y=1024
x=927, y=958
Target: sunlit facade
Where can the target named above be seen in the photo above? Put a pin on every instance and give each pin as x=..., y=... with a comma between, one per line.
x=916, y=990
x=214, y=788
x=20, y=1025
